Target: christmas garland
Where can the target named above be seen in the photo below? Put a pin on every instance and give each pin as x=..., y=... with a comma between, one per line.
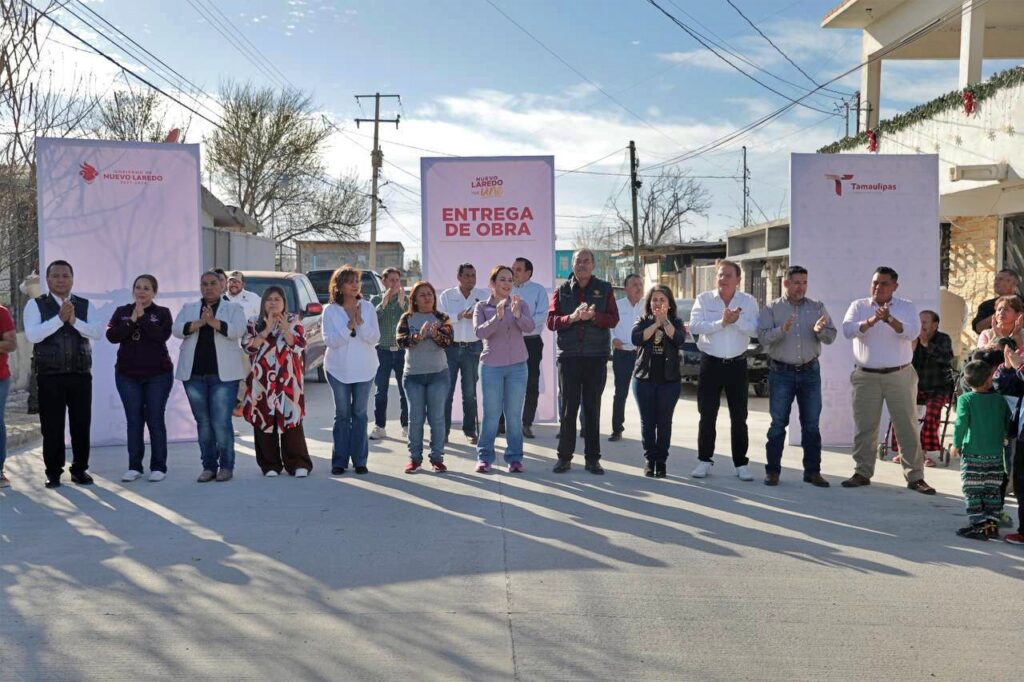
x=967, y=99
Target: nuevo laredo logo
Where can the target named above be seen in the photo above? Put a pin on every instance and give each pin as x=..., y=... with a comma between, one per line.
x=88, y=173
x=859, y=186
x=121, y=176
x=487, y=186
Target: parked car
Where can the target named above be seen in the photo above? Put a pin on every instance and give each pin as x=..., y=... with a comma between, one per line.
x=370, y=285
x=302, y=300
x=689, y=362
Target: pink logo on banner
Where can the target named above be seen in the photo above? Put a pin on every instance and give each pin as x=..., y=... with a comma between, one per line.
x=88, y=173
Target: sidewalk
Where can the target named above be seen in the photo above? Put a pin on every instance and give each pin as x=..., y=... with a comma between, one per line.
x=22, y=428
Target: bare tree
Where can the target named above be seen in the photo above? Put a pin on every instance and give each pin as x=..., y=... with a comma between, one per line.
x=595, y=236
x=136, y=115
x=333, y=211
x=665, y=205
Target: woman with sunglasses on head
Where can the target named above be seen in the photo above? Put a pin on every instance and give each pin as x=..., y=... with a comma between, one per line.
x=658, y=335
x=500, y=322
x=274, y=399
x=143, y=375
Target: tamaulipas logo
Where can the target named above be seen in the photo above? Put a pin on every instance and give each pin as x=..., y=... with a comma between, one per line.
x=487, y=186
x=858, y=186
x=89, y=173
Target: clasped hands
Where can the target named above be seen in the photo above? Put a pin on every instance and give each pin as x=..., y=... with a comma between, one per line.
x=583, y=312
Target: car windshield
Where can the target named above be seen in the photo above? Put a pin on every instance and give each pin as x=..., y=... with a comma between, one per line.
x=684, y=308
x=258, y=285
x=321, y=280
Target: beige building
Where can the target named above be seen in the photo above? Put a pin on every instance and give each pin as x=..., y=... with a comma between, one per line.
x=975, y=129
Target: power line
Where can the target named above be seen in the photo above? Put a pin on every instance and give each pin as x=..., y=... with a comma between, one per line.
x=254, y=48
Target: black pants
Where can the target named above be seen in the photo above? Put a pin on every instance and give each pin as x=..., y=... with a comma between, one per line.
x=715, y=375
x=1018, y=482
x=582, y=385
x=623, y=363
x=61, y=394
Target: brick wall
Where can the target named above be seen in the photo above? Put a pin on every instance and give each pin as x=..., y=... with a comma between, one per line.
x=973, y=262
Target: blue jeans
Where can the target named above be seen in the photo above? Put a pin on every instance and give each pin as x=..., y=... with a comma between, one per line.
x=350, y=421
x=504, y=391
x=5, y=387
x=464, y=359
x=144, y=403
x=657, y=403
x=212, y=402
x=390, y=361
x=623, y=362
x=783, y=386
x=427, y=395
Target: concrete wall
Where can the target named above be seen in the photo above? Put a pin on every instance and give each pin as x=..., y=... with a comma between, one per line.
x=330, y=255
x=236, y=250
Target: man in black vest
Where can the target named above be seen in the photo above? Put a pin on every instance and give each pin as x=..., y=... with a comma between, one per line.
x=60, y=325
x=582, y=314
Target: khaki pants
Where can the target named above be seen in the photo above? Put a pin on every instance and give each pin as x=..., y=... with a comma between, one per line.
x=899, y=391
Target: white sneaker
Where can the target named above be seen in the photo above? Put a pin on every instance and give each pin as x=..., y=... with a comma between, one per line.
x=270, y=474
x=378, y=433
x=156, y=476
x=744, y=473
x=702, y=469
x=131, y=475
x=301, y=473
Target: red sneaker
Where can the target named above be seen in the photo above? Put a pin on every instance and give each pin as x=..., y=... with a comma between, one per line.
x=411, y=467
x=1015, y=538
x=439, y=467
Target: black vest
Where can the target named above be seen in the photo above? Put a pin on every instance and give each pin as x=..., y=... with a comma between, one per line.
x=584, y=339
x=65, y=351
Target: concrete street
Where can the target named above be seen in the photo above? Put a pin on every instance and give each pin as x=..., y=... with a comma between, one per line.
x=501, y=577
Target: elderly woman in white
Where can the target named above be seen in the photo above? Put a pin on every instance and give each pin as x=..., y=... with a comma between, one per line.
x=210, y=367
x=350, y=334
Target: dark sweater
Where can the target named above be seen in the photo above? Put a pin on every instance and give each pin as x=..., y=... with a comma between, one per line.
x=142, y=352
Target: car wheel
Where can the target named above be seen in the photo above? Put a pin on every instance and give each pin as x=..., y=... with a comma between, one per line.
x=761, y=388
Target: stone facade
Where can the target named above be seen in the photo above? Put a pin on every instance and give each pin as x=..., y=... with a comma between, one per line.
x=973, y=261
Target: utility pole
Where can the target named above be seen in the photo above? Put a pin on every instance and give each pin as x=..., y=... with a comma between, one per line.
x=746, y=189
x=857, y=96
x=377, y=160
x=634, y=185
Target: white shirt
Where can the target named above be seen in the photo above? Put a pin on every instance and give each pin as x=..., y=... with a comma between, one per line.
x=628, y=313
x=249, y=301
x=729, y=340
x=536, y=297
x=880, y=346
x=452, y=303
x=351, y=359
x=36, y=330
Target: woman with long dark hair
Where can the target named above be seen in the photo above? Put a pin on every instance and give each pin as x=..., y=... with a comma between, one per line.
x=350, y=334
x=424, y=332
x=143, y=375
x=658, y=335
x=274, y=399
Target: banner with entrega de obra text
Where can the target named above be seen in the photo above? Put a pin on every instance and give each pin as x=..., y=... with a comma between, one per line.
x=116, y=210
x=489, y=211
x=851, y=213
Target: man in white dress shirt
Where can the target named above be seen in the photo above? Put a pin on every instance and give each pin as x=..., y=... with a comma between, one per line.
x=60, y=326
x=723, y=320
x=237, y=293
x=464, y=352
x=631, y=306
x=883, y=329
x=536, y=297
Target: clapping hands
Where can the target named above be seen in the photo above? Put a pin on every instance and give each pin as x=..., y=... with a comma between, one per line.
x=730, y=316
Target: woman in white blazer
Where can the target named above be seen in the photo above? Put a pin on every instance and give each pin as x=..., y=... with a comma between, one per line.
x=350, y=334
x=210, y=366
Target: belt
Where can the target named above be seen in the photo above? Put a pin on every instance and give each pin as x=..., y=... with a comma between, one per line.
x=394, y=349
x=722, y=361
x=882, y=370
x=631, y=351
x=466, y=343
x=775, y=364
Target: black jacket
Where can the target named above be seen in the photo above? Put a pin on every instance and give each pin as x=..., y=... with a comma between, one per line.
x=644, y=349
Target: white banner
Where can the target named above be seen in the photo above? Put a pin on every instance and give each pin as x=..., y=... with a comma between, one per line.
x=489, y=211
x=851, y=213
x=116, y=210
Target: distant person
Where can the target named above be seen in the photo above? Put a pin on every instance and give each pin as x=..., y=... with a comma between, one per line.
x=500, y=322
x=350, y=334
x=582, y=313
x=631, y=307
x=391, y=357
x=724, y=319
x=222, y=277
x=883, y=328
x=8, y=345
x=792, y=329
x=657, y=334
x=978, y=437
x=1006, y=283
x=535, y=296
x=1007, y=321
x=237, y=293
x=144, y=375
x=425, y=332
x=933, y=362
x=61, y=325
x=464, y=352
x=210, y=368
x=275, y=401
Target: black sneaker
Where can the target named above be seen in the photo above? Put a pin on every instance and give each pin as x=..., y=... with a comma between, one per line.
x=595, y=468
x=977, y=532
x=660, y=470
x=81, y=479
x=562, y=465
x=649, y=469
x=528, y=431
x=337, y=471
x=362, y=470
x=52, y=483
x=616, y=436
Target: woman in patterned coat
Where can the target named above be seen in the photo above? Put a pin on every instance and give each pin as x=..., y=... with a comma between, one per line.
x=274, y=401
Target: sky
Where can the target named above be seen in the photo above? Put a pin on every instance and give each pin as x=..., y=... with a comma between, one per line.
x=577, y=79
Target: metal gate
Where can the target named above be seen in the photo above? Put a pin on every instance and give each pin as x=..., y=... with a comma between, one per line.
x=1013, y=243
x=758, y=284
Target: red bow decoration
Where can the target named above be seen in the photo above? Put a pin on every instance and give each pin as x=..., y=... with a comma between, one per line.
x=969, y=104
x=872, y=141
